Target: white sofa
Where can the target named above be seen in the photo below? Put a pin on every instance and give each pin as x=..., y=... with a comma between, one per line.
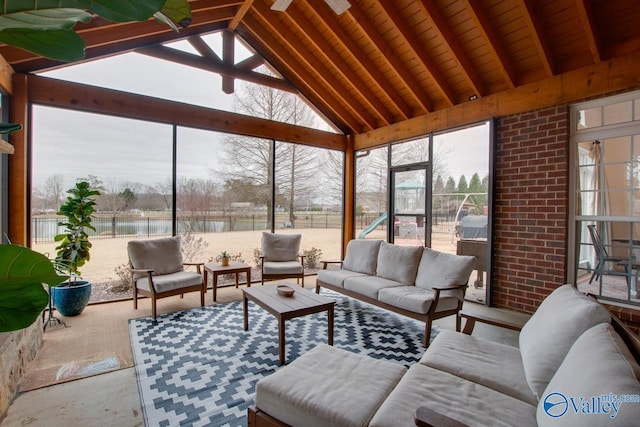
x=415, y=281
x=569, y=356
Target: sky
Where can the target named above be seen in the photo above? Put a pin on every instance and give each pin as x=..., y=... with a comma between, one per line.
x=125, y=150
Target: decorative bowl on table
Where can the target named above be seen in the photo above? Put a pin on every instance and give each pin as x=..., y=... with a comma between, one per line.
x=285, y=291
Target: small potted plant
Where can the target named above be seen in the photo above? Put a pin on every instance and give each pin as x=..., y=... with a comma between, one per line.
x=224, y=258
x=71, y=297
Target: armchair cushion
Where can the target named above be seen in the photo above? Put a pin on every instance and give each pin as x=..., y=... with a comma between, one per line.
x=163, y=256
x=598, y=363
x=398, y=263
x=362, y=256
x=280, y=247
x=547, y=337
x=282, y=267
x=443, y=269
x=171, y=281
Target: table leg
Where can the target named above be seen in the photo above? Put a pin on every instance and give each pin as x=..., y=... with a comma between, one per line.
x=245, y=312
x=248, y=278
x=215, y=286
x=237, y=273
x=330, y=326
x=206, y=280
x=281, y=342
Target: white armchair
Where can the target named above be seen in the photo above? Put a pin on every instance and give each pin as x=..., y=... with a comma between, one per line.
x=281, y=258
x=157, y=271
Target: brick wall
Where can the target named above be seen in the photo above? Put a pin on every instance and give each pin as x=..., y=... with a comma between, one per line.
x=531, y=207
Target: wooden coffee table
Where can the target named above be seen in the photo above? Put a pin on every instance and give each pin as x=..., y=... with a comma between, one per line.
x=234, y=267
x=302, y=302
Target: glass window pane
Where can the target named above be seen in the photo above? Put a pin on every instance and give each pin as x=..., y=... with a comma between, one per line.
x=371, y=194
x=410, y=152
x=129, y=161
x=589, y=118
x=618, y=113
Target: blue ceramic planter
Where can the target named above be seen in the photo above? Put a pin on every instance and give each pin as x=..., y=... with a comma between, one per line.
x=71, y=300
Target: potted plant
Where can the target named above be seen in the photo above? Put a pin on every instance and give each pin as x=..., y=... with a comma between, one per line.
x=224, y=258
x=72, y=296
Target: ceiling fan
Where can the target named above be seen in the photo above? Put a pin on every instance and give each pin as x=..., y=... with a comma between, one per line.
x=338, y=6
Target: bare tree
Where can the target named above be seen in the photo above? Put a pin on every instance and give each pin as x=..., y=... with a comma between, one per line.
x=53, y=191
x=252, y=159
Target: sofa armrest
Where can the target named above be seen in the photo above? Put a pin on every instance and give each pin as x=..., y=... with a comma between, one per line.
x=427, y=417
x=326, y=263
x=448, y=288
x=141, y=270
x=471, y=320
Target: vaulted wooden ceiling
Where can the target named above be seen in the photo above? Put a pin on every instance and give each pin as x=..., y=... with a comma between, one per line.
x=383, y=62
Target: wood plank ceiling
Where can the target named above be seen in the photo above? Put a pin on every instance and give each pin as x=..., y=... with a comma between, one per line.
x=383, y=62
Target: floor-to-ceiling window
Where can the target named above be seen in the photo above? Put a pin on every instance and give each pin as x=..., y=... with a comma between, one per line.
x=605, y=207
x=439, y=194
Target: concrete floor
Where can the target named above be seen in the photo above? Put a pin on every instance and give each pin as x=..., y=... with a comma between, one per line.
x=111, y=399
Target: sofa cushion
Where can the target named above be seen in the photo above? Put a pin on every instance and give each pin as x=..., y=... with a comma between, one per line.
x=369, y=285
x=443, y=269
x=491, y=364
x=399, y=263
x=327, y=386
x=280, y=247
x=549, y=334
x=415, y=299
x=465, y=401
x=598, y=364
x=163, y=256
x=362, y=256
x=336, y=277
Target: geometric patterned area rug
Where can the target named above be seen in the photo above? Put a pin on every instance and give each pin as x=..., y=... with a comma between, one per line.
x=198, y=367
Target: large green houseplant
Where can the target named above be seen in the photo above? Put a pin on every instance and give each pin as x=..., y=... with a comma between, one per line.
x=22, y=295
x=71, y=297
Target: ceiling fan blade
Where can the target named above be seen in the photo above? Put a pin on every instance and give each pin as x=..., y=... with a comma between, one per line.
x=338, y=6
x=281, y=5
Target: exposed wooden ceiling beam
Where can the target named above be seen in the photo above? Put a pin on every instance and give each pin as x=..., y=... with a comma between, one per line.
x=59, y=93
x=242, y=11
x=295, y=19
x=416, y=47
x=339, y=93
x=228, y=59
x=587, y=82
x=203, y=48
x=450, y=41
x=251, y=62
x=536, y=32
x=590, y=31
x=121, y=38
x=215, y=66
x=366, y=66
x=360, y=19
x=273, y=61
x=492, y=42
x=298, y=76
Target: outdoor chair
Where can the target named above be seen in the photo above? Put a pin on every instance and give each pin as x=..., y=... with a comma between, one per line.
x=602, y=255
x=157, y=271
x=280, y=258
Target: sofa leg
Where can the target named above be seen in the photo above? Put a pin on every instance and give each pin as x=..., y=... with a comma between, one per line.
x=427, y=332
x=458, y=322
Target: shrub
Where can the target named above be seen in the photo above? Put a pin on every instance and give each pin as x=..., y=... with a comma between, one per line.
x=312, y=257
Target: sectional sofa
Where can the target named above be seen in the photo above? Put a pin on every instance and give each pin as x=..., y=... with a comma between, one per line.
x=576, y=365
x=414, y=281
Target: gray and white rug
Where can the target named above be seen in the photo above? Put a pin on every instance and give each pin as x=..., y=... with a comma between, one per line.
x=198, y=367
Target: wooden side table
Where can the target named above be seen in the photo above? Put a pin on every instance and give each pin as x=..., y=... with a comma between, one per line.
x=234, y=267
